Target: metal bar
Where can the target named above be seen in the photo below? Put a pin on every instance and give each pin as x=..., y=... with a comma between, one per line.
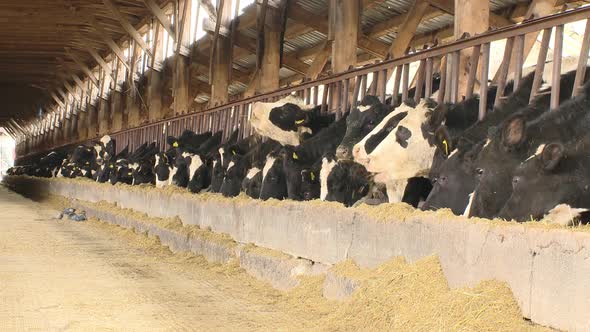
x=324, y=98
x=582, y=60
x=541, y=59
x=346, y=95
x=443, y=80
x=364, y=80
x=355, y=93
x=483, y=81
x=428, y=78
x=373, y=86
x=518, y=61
x=383, y=82
x=557, y=54
x=316, y=90
x=503, y=70
x=420, y=80
x=473, y=62
x=454, y=77
x=405, y=81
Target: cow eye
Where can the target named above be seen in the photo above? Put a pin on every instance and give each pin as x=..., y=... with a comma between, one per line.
x=479, y=172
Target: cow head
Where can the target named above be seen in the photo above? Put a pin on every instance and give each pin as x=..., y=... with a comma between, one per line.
x=234, y=176
x=454, y=180
x=361, y=121
x=494, y=167
x=274, y=182
x=104, y=149
x=142, y=172
x=162, y=169
x=285, y=121
x=402, y=145
x=310, y=184
x=555, y=177
x=200, y=174
x=217, y=174
x=252, y=182
x=343, y=181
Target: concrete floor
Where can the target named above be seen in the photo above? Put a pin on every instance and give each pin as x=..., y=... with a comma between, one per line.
x=63, y=275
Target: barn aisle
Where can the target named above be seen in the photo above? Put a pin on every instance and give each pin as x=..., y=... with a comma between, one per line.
x=65, y=275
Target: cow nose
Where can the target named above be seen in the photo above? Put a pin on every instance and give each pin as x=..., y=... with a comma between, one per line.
x=342, y=152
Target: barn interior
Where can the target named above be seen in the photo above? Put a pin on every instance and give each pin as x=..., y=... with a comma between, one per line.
x=83, y=75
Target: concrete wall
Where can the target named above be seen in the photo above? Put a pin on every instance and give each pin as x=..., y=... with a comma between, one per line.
x=547, y=269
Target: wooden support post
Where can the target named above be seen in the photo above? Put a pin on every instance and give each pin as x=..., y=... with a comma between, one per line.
x=221, y=59
x=271, y=57
x=345, y=17
x=132, y=98
x=472, y=17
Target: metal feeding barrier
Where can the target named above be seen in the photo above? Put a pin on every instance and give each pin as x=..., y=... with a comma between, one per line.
x=340, y=92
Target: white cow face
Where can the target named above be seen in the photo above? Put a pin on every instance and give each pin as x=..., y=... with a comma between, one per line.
x=400, y=146
x=283, y=121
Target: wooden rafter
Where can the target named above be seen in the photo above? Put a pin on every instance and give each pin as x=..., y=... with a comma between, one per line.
x=127, y=26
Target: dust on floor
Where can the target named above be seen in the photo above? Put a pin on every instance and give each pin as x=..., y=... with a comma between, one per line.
x=63, y=275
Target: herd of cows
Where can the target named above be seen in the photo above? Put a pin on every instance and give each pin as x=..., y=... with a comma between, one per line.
x=521, y=162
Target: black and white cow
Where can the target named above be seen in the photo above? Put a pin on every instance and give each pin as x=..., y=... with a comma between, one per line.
x=288, y=121
x=104, y=149
x=282, y=171
x=517, y=140
x=245, y=172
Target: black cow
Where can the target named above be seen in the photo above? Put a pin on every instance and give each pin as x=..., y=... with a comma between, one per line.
x=517, y=140
x=454, y=177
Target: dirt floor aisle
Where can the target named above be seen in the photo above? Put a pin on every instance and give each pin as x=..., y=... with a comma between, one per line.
x=64, y=275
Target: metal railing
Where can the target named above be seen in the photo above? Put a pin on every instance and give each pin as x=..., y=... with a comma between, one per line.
x=339, y=93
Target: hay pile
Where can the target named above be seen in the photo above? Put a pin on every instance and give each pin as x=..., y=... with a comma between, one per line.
x=394, y=296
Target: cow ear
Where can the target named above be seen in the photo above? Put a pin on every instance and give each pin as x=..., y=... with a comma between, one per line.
x=551, y=155
x=443, y=141
x=514, y=131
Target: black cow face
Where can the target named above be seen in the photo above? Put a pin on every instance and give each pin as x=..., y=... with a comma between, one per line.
x=180, y=177
x=200, y=174
x=274, y=182
x=252, y=183
x=104, y=172
x=234, y=176
x=217, y=174
x=454, y=181
x=288, y=117
x=361, y=121
x=161, y=170
x=121, y=173
x=142, y=172
x=494, y=168
x=547, y=180
x=347, y=182
x=310, y=184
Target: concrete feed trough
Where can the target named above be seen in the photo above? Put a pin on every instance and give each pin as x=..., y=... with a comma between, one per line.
x=546, y=268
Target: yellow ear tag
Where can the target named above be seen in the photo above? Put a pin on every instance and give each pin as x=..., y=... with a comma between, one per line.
x=312, y=176
x=110, y=166
x=295, y=156
x=175, y=144
x=299, y=121
x=129, y=173
x=87, y=163
x=444, y=142
x=233, y=152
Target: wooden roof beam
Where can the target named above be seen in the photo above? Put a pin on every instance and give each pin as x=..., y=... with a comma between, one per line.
x=127, y=26
x=83, y=67
x=161, y=17
x=106, y=38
